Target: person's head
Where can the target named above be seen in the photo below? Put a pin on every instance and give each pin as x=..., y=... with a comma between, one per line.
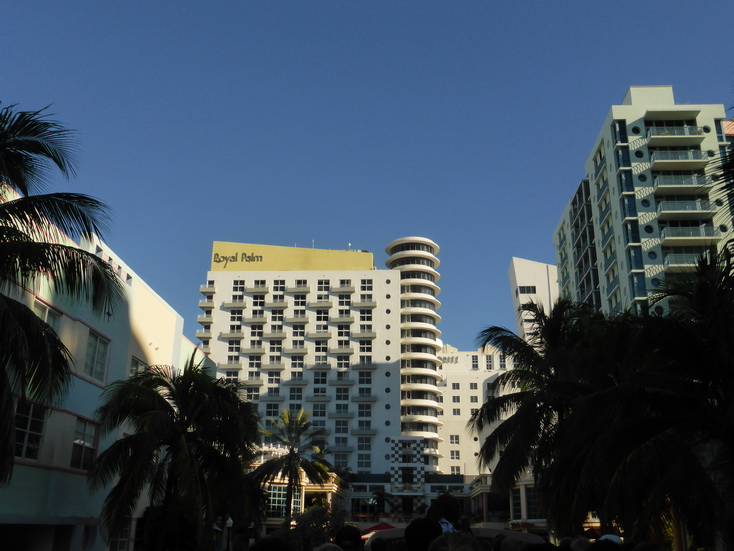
x=420, y=533
x=455, y=541
x=348, y=537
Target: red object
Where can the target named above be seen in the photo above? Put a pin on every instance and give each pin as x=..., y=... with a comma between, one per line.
x=377, y=528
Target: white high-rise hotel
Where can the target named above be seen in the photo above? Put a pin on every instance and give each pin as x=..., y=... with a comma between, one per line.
x=358, y=347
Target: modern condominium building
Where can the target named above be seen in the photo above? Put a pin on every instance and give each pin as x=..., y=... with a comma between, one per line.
x=647, y=207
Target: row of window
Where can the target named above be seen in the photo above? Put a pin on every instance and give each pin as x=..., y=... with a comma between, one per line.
x=30, y=420
x=279, y=286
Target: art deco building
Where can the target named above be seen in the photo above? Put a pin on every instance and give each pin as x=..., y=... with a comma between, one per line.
x=647, y=208
x=535, y=282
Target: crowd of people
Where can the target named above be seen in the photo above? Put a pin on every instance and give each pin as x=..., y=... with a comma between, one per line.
x=442, y=529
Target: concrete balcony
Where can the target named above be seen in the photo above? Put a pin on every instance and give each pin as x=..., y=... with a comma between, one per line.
x=203, y=335
x=206, y=290
x=369, y=304
x=681, y=183
x=696, y=209
x=686, y=159
x=232, y=335
x=204, y=318
x=298, y=290
x=344, y=319
x=675, y=135
x=206, y=303
x=236, y=304
x=681, y=262
x=700, y=235
x=343, y=290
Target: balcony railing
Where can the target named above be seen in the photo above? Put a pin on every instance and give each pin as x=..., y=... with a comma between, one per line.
x=654, y=131
x=699, y=231
x=685, y=259
x=678, y=155
x=678, y=206
x=681, y=180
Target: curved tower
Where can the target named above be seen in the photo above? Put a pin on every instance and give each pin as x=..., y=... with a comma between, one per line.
x=415, y=258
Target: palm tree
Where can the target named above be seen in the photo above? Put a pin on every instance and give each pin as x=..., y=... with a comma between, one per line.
x=303, y=457
x=191, y=436
x=36, y=233
x=526, y=404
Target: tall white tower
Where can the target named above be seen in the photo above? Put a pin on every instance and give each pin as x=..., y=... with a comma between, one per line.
x=415, y=258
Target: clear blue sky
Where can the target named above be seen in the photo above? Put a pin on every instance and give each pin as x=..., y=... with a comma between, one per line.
x=347, y=121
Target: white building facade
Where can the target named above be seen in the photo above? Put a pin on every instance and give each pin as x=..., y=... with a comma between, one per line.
x=646, y=209
x=535, y=282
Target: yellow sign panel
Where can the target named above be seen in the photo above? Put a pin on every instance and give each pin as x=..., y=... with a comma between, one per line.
x=233, y=257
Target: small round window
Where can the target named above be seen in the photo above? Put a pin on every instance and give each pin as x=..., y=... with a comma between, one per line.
x=639, y=154
x=635, y=129
x=642, y=178
x=645, y=203
x=652, y=255
x=648, y=229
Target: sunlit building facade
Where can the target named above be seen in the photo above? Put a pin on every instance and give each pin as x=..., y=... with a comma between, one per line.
x=647, y=208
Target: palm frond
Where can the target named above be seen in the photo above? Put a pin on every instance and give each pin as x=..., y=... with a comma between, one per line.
x=30, y=144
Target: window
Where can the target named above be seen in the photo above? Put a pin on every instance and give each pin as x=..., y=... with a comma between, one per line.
x=95, y=362
x=365, y=328
x=299, y=300
x=276, y=317
x=322, y=286
x=276, y=346
x=296, y=394
x=279, y=285
x=299, y=344
x=273, y=377
x=322, y=315
x=52, y=317
x=296, y=375
x=319, y=378
x=365, y=285
x=345, y=283
x=454, y=439
x=29, y=419
x=489, y=363
x=456, y=399
x=473, y=386
x=254, y=361
x=527, y=289
x=252, y=393
x=297, y=363
x=342, y=362
x=455, y=386
x=233, y=347
x=84, y=446
x=456, y=411
x=342, y=330
x=342, y=408
x=474, y=399
x=455, y=455
x=319, y=391
x=341, y=460
x=137, y=366
x=474, y=410
x=365, y=297
x=342, y=393
x=475, y=362
x=364, y=410
x=260, y=283
x=516, y=504
x=365, y=346
x=275, y=360
x=364, y=461
x=365, y=360
x=365, y=391
x=341, y=426
x=301, y=283
x=365, y=315
x=344, y=300
x=276, y=501
x=365, y=378
x=238, y=286
x=364, y=424
x=455, y=469
x=320, y=347
x=340, y=441
x=235, y=316
x=535, y=508
x=271, y=410
x=231, y=376
x=258, y=301
x=342, y=343
x=503, y=362
x=319, y=410
x=299, y=314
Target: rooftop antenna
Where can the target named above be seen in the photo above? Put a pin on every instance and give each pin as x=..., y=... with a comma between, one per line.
x=349, y=246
